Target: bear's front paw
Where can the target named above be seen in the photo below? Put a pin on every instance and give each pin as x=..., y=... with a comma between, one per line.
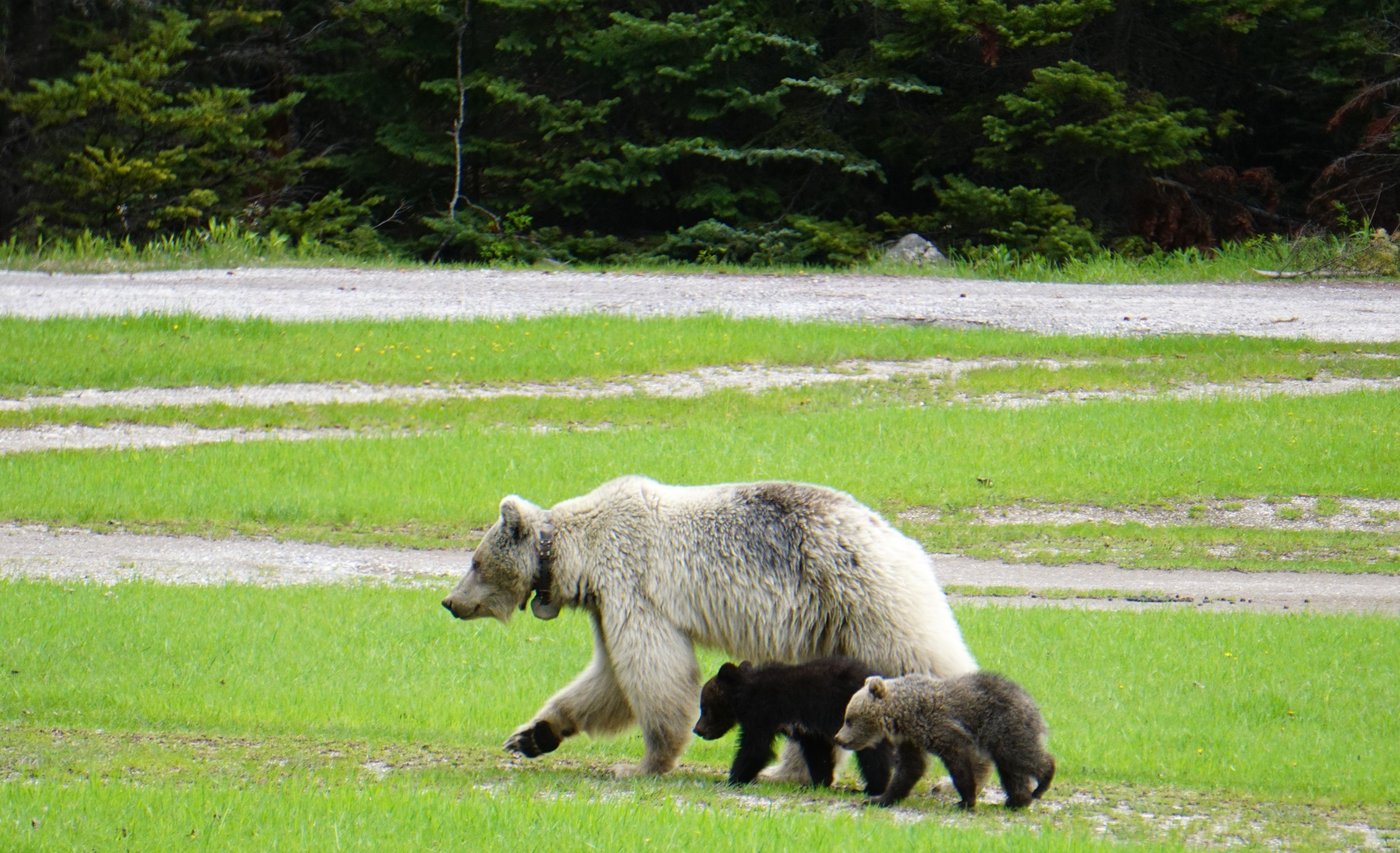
x=533, y=739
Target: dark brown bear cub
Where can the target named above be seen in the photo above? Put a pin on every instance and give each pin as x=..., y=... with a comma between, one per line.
x=971, y=722
x=806, y=702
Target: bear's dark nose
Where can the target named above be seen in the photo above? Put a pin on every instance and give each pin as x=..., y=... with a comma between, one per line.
x=447, y=602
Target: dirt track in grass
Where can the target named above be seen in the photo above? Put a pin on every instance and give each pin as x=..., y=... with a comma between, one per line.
x=682, y=384
x=70, y=555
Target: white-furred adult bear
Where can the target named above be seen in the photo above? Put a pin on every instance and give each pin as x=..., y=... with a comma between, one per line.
x=766, y=571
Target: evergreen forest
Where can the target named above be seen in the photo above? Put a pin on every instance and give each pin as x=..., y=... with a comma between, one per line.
x=763, y=131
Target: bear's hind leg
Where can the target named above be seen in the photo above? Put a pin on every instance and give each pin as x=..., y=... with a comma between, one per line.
x=1044, y=774
x=969, y=770
x=1016, y=779
x=1017, y=787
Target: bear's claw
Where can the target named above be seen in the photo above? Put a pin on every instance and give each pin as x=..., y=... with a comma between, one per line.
x=533, y=740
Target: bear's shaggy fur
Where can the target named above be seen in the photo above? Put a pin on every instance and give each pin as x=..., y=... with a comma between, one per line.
x=970, y=722
x=768, y=571
x=805, y=701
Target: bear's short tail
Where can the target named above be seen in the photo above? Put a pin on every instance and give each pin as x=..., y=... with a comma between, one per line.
x=1044, y=776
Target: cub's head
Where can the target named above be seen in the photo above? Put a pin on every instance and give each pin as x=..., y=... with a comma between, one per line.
x=503, y=567
x=719, y=700
x=865, y=716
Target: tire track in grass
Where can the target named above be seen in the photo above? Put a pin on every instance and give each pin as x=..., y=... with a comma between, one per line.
x=685, y=384
x=680, y=384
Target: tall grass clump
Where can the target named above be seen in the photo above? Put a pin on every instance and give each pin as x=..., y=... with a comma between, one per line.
x=218, y=244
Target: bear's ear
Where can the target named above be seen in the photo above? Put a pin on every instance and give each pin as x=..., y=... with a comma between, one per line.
x=730, y=674
x=512, y=518
x=746, y=665
x=876, y=685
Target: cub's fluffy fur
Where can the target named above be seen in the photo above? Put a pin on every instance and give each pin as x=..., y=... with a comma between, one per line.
x=970, y=722
x=803, y=701
x=765, y=571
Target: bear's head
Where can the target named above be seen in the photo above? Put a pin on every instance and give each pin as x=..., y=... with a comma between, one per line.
x=511, y=561
x=865, y=716
x=720, y=699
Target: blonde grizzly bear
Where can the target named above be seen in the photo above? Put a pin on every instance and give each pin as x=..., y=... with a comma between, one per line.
x=970, y=722
x=771, y=571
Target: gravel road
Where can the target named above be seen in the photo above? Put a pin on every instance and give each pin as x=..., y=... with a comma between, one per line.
x=1335, y=311
x=85, y=556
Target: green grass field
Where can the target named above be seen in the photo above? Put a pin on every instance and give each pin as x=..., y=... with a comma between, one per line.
x=141, y=716
x=433, y=486
x=159, y=350
x=291, y=716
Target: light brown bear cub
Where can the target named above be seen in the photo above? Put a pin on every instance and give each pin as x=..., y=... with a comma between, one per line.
x=970, y=722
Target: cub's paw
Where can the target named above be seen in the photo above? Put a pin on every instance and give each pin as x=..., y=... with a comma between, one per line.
x=533, y=739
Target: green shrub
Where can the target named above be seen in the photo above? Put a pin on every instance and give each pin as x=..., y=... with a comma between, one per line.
x=794, y=240
x=1024, y=222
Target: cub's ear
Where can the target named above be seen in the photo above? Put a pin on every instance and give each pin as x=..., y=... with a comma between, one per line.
x=513, y=518
x=746, y=665
x=876, y=685
x=730, y=674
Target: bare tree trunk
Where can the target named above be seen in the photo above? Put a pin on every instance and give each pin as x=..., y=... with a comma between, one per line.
x=460, y=123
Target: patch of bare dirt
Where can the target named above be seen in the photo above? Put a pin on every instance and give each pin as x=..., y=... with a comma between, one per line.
x=1301, y=512
x=1192, y=391
x=71, y=555
x=84, y=556
x=133, y=436
x=1113, y=588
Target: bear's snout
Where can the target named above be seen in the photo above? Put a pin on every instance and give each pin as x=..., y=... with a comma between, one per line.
x=451, y=606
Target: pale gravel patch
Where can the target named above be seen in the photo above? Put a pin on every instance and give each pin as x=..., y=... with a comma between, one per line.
x=380, y=769
x=84, y=556
x=141, y=436
x=73, y=555
x=681, y=384
x=1248, y=389
x=1333, y=310
x=1321, y=592
x=1300, y=512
